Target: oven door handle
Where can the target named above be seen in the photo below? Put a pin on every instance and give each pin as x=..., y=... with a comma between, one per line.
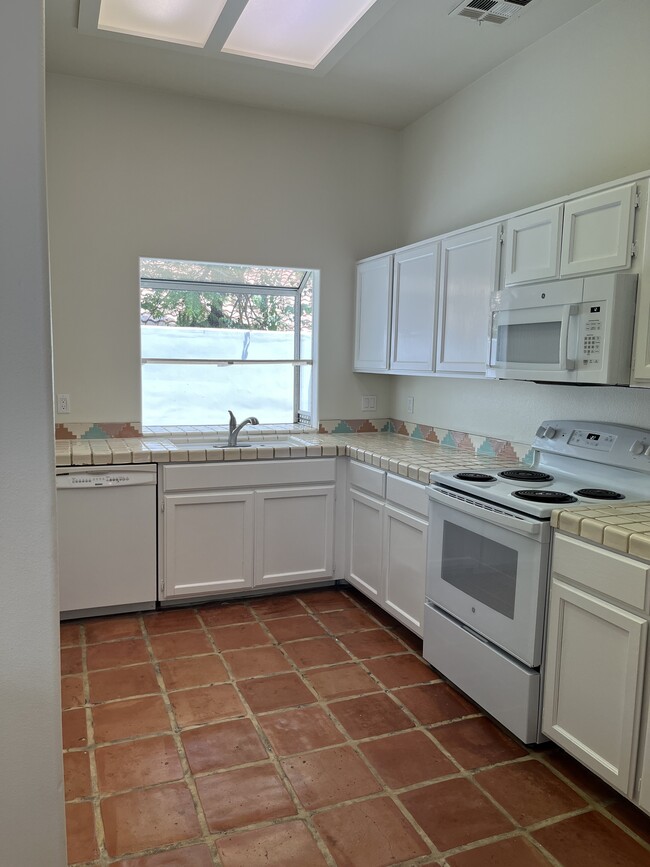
x=486, y=512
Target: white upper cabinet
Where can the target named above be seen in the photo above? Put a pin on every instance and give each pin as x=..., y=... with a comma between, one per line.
x=532, y=246
x=415, y=272
x=372, y=321
x=597, y=233
x=469, y=268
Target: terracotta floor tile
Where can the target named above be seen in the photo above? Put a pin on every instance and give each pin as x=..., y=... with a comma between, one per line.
x=193, y=671
x=272, y=693
x=70, y=634
x=71, y=661
x=406, y=759
x=276, y=606
x=116, y=653
x=454, y=812
x=225, y=613
x=233, y=799
x=188, y=856
x=300, y=730
x=374, y=642
x=579, y=775
x=370, y=716
x=347, y=620
x=477, y=742
x=147, y=818
x=288, y=844
x=326, y=600
x=131, y=718
x=174, y=620
x=316, y=651
x=591, y=840
x=403, y=670
x=239, y=635
x=530, y=792
x=206, y=704
x=76, y=774
x=371, y=608
x=112, y=628
x=435, y=702
x=115, y=683
x=75, y=733
x=329, y=776
x=145, y=762
x=174, y=644
x=224, y=745
x=293, y=628
x=633, y=818
x=341, y=680
x=256, y=661
x=72, y=692
x=513, y=852
x=80, y=830
x=369, y=834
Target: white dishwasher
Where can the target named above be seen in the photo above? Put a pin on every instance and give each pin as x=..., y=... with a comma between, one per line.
x=106, y=518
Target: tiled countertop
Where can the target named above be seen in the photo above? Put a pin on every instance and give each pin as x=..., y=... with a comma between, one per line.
x=624, y=528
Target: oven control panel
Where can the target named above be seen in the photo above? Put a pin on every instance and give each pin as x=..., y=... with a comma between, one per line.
x=606, y=443
x=592, y=439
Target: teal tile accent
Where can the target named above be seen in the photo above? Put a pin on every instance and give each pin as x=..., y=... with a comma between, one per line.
x=94, y=433
x=342, y=427
x=486, y=449
x=449, y=440
x=417, y=433
x=389, y=427
x=529, y=457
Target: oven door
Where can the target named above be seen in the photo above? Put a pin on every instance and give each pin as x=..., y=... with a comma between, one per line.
x=488, y=568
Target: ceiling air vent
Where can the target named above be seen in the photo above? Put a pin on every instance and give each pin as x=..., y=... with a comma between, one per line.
x=492, y=11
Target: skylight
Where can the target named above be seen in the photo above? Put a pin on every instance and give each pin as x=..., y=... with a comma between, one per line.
x=187, y=22
x=295, y=32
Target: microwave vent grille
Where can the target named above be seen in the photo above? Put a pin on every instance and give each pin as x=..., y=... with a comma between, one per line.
x=491, y=11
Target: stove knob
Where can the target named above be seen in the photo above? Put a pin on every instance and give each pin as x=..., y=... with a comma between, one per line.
x=647, y=452
x=541, y=431
x=637, y=447
x=550, y=433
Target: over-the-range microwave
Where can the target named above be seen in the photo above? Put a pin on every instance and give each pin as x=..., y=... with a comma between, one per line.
x=573, y=331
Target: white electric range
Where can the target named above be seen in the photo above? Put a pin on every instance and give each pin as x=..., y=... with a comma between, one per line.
x=488, y=558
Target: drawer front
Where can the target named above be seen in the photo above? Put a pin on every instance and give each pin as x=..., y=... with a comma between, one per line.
x=206, y=476
x=408, y=495
x=367, y=478
x=604, y=571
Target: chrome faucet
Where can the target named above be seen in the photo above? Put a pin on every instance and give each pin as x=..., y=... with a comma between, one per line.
x=234, y=428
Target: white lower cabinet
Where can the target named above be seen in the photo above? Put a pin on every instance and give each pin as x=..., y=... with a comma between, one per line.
x=596, y=661
x=387, y=542
x=227, y=538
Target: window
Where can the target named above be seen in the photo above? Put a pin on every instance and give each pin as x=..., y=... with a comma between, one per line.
x=216, y=337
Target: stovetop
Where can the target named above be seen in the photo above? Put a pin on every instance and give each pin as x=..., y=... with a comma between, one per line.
x=575, y=463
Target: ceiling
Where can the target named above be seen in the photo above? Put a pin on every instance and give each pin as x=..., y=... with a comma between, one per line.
x=410, y=60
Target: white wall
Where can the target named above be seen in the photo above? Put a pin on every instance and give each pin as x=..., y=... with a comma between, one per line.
x=31, y=774
x=569, y=112
x=135, y=172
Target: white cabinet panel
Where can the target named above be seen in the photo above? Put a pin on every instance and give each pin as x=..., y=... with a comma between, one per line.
x=644, y=771
x=597, y=233
x=405, y=557
x=294, y=535
x=415, y=274
x=532, y=246
x=468, y=275
x=592, y=689
x=365, y=549
x=372, y=320
x=208, y=543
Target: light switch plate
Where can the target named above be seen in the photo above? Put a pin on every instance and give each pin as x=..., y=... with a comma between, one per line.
x=369, y=402
x=410, y=405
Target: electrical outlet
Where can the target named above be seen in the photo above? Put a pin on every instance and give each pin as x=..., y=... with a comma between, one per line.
x=63, y=403
x=369, y=402
x=410, y=405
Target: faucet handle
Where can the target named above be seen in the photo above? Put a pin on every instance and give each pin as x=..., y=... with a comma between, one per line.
x=233, y=420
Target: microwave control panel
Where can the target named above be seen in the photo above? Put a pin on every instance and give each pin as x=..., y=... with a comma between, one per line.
x=592, y=316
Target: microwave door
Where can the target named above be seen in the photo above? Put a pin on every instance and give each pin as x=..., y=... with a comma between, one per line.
x=534, y=343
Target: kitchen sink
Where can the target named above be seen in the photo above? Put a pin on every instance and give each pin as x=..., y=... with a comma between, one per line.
x=260, y=444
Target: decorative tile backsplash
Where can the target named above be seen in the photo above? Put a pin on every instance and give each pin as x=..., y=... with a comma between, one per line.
x=102, y=430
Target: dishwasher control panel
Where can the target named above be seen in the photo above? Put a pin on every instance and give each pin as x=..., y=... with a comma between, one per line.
x=104, y=479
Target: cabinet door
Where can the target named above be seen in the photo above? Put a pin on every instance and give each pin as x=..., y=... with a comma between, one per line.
x=468, y=276
x=593, y=678
x=644, y=771
x=415, y=273
x=532, y=246
x=207, y=543
x=294, y=535
x=364, y=541
x=404, y=560
x=372, y=318
x=597, y=233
